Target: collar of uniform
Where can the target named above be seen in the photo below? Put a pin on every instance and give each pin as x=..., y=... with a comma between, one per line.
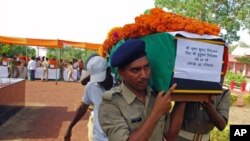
x=129, y=96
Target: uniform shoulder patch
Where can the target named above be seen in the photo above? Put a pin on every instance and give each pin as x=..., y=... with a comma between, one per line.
x=109, y=94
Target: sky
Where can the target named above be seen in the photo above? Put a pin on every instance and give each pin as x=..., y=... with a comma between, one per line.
x=75, y=20
x=244, y=36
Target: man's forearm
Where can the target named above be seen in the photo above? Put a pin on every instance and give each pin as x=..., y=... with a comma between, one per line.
x=82, y=109
x=176, y=121
x=217, y=119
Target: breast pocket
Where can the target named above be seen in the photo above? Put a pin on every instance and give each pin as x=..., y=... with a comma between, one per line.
x=134, y=118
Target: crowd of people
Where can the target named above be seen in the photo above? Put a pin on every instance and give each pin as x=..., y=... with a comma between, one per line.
x=25, y=67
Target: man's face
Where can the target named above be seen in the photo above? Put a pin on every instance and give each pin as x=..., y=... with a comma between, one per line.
x=136, y=74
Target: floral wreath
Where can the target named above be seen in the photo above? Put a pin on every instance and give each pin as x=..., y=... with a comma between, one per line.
x=154, y=21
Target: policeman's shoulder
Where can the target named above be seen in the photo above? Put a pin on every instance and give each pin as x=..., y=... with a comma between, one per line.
x=224, y=87
x=225, y=90
x=108, y=95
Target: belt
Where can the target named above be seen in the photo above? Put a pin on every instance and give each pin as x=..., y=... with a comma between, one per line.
x=194, y=136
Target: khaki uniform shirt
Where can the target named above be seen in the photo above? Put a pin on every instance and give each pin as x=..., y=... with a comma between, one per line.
x=45, y=65
x=121, y=113
x=196, y=119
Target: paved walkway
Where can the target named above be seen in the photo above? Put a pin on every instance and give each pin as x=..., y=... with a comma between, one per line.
x=49, y=109
x=240, y=113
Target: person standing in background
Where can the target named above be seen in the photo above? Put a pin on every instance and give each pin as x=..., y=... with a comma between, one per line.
x=80, y=68
x=38, y=62
x=22, y=67
x=16, y=69
x=75, y=64
x=5, y=59
x=32, y=68
x=11, y=67
x=45, y=65
x=61, y=69
x=1, y=60
x=70, y=72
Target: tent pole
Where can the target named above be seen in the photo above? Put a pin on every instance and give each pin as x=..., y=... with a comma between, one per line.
x=56, y=66
x=60, y=53
x=60, y=57
x=26, y=60
x=37, y=47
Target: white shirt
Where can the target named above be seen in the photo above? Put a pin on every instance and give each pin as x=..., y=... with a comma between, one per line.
x=93, y=96
x=76, y=65
x=32, y=65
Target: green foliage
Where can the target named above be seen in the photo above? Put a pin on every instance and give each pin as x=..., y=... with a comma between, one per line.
x=230, y=15
x=233, y=99
x=246, y=99
x=243, y=45
x=231, y=48
x=217, y=135
x=12, y=49
x=53, y=53
x=87, y=53
x=243, y=59
x=68, y=53
x=238, y=78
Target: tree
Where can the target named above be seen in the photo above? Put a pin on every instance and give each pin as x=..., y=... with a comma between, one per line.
x=231, y=48
x=230, y=15
x=244, y=45
x=13, y=49
x=70, y=53
x=243, y=59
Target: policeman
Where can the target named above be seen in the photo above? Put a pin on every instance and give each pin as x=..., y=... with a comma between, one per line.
x=200, y=118
x=132, y=110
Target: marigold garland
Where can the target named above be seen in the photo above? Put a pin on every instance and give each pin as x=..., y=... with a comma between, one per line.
x=156, y=21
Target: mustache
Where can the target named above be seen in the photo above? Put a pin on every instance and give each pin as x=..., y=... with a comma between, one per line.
x=143, y=79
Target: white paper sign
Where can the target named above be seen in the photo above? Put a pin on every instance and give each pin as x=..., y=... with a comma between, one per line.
x=198, y=61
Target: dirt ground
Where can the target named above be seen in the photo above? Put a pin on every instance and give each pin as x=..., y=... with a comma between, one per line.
x=50, y=107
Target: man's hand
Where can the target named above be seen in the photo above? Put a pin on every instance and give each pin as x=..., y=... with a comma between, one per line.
x=162, y=106
x=163, y=101
x=67, y=135
x=208, y=104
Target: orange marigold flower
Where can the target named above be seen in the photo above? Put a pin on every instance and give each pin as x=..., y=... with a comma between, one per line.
x=157, y=21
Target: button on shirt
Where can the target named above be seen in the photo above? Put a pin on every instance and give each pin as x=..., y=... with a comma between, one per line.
x=121, y=113
x=93, y=96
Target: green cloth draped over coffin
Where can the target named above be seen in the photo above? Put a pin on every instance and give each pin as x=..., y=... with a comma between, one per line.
x=161, y=53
